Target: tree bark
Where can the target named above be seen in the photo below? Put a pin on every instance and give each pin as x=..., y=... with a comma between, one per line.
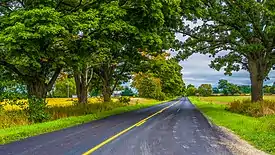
x=81, y=88
x=257, y=76
x=107, y=92
x=37, y=88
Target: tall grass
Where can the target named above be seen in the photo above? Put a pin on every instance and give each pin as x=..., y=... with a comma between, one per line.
x=12, y=115
x=255, y=109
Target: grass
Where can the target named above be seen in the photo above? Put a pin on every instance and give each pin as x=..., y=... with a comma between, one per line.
x=227, y=99
x=13, y=115
x=20, y=132
x=260, y=131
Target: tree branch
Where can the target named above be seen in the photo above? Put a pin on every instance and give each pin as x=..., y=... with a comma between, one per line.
x=91, y=76
x=11, y=68
x=53, y=79
x=117, y=77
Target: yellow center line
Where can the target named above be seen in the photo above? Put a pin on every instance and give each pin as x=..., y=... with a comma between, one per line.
x=126, y=130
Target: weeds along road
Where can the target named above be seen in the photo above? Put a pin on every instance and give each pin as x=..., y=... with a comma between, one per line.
x=172, y=128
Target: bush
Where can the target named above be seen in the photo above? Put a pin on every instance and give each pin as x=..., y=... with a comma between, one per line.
x=125, y=100
x=160, y=96
x=37, y=110
x=257, y=109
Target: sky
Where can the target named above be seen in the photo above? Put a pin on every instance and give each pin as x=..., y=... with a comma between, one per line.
x=196, y=71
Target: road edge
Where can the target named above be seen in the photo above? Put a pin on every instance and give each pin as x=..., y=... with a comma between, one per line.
x=15, y=134
x=230, y=140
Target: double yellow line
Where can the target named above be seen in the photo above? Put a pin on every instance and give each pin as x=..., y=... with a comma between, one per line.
x=126, y=130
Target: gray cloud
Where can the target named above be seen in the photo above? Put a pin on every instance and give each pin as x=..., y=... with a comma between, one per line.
x=196, y=71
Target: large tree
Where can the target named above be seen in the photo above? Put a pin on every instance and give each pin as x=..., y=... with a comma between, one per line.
x=126, y=30
x=29, y=41
x=32, y=40
x=205, y=90
x=239, y=34
x=168, y=71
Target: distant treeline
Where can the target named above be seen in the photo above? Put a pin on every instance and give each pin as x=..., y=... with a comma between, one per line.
x=225, y=88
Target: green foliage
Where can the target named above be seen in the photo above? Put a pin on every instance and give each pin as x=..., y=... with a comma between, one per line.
x=245, y=89
x=37, y=110
x=244, y=29
x=127, y=92
x=224, y=86
x=229, y=88
x=10, y=89
x=234, y=89
x=61, y=88
x=148, y=86
x=215, y=90
x=191, y=91
x=190, y=85
x=205, y=89
x=168, y=71
x=124, y=100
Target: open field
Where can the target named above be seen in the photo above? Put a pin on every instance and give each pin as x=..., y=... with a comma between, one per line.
x=227, y=99
x=14, y=115
x=15, y=125
x=63, y=102
x=259, y=131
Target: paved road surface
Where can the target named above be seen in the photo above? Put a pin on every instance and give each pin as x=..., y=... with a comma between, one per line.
x=179, y=129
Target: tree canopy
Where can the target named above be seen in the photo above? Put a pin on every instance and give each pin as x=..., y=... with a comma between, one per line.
x=239, y=34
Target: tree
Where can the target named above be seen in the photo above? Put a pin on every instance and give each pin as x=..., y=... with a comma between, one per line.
x=233, y=89
x=224, y=86
x=244, y=29
x=272, y=89
x=267, y=89
x=216, y=90
x=205, y=90
x=190, y=85
x=245, y=89
x=148, y=86
x=127, y=92
x=169, y=72
x=64, y=87
x=191, y=91
x=30, y=48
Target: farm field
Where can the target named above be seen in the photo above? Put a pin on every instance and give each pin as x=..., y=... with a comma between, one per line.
x=65, y=102
x=14, y=124
x=227, y=99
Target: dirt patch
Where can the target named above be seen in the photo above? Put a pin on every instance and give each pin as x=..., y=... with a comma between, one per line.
x=235, y=144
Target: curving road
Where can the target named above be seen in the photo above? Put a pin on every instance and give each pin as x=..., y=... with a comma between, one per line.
x=172, y=128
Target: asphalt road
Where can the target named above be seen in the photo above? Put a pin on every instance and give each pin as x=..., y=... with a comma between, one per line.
x=172, y=128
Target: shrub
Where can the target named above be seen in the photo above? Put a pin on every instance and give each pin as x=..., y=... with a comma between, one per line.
x=37, y=110
x=125, y=100
x=160, y=96
x=256, y=109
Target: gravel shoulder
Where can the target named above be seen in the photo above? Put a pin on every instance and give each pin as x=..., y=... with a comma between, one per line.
x=235, y=144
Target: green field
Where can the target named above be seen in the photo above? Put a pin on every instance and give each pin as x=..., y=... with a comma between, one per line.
x=260, y=131
x=227, y=99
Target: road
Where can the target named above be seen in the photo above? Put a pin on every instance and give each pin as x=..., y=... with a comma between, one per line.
x=172, y=128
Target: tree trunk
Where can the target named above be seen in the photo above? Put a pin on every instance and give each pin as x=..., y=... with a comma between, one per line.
x=256, y=90
x=257, y=76
x=81, y=88
x=106, y=90
x=37, y=88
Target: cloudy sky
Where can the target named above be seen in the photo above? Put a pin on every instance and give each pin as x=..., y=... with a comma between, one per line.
x=196, y=71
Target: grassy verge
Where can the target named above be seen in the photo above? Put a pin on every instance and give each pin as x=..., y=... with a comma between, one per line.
x=16, y=133
x=260, y=132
